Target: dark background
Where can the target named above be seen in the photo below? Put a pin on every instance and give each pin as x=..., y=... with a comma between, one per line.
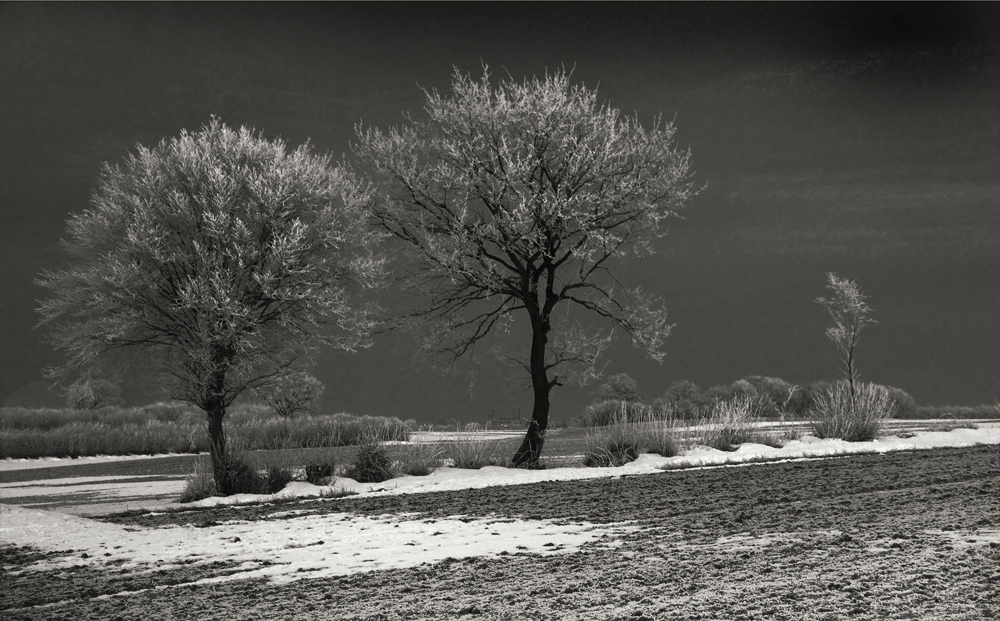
x=853, y=137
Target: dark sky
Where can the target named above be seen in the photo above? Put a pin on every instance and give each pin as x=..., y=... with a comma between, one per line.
x=854, y=137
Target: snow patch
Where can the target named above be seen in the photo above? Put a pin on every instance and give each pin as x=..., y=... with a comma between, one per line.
x=313, y=546
x=7, y=465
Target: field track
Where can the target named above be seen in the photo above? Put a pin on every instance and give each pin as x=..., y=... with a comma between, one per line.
x=909, y=535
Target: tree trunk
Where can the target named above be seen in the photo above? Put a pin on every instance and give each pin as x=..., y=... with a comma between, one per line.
x=850, y=379
x=531, y=447
x=215, y=408
x=216, y=435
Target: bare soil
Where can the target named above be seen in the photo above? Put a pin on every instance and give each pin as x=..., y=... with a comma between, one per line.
x=911, y=535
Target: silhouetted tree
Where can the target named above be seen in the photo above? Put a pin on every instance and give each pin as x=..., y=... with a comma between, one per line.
x=226, y=255
x=518, y=198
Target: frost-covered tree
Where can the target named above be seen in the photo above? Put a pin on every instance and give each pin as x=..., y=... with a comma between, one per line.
x=293, y=392
x=849, y=311
x=517, y=199
x=225, y=255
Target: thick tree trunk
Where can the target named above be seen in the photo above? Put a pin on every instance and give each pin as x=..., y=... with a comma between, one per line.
x=215, y=408
x=216, y=435
x=531, y=447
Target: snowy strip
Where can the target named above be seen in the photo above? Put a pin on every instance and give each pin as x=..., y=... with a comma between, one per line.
x=450, y=479
x=7, y=465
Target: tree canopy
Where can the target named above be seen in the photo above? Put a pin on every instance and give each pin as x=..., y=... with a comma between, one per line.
x=225, y=255
x=518, y=198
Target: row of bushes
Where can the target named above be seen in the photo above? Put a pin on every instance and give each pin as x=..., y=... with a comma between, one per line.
x=244, y=473
x=925, y=412
x=46, y=419
x=634, y=428
x=768, y=397
x=628, y=430
x=143, y=431
x=287, y=395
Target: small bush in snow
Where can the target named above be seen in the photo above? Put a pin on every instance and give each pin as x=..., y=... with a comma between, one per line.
x=237, y=474
x=318, y=473
x=730, y=423
x=199, y=484
x=475, y=454
x=858, y=418
x=274, y=479
x=614, y=444
x=371, y=465
x=659, y=436
x=421, y=459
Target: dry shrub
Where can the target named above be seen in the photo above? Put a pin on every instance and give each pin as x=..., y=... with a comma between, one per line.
x=660, y=439
x=660, y=432
x=476, y=454
x=319, y=472
x=420, y=459
x=614, y=444
x=836, y=414
x=609, y=412
x=372, y=464
x=238, y=472
x=199, y=484
x=631, y=432
x=730, y=423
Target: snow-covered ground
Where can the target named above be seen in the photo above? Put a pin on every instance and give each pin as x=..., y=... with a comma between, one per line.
x=464, y=436
x=809, y=447
x=7, y=465
x=311, y=546
x=289, y=549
